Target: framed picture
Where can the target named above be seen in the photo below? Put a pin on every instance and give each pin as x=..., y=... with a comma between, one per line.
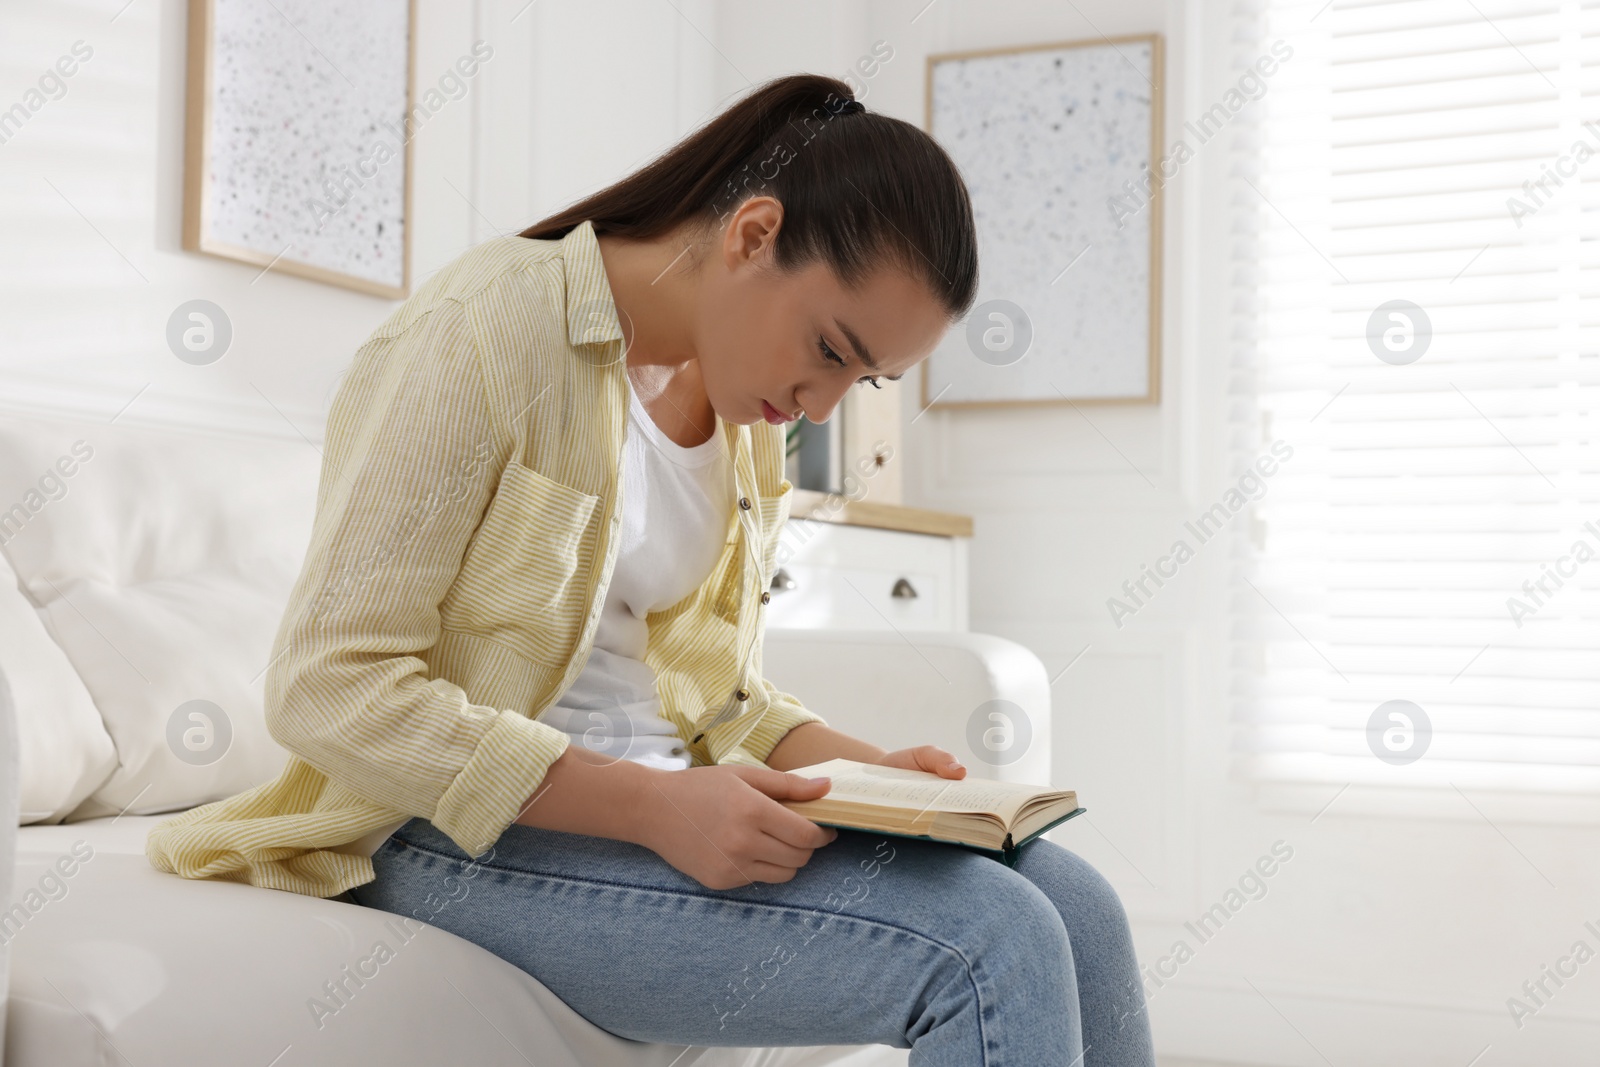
x=1060, y=147
x=297, y=151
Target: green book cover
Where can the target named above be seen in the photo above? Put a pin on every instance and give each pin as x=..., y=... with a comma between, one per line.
x=1006, y=855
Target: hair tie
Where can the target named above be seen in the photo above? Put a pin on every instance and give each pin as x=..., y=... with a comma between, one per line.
x=851, y=107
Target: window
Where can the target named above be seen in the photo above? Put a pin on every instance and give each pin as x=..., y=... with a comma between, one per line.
x=1416, y=257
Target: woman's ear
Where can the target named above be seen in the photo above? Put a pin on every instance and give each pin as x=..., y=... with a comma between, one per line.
x=752, y=233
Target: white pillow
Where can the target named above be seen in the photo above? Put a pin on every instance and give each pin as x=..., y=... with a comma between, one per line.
x=65, y=751
x=162, y=565
x=10, y=777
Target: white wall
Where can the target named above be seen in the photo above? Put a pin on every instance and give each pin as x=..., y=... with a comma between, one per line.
x=91, y=196
x=1387, y=939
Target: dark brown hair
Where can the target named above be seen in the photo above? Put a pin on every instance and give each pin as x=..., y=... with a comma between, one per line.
x=858, y=189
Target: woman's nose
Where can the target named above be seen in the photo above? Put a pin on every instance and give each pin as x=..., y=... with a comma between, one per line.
x=818, y=403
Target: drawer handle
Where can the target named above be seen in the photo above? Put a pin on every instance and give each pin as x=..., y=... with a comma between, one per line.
x=783, y=581
x=903, y=590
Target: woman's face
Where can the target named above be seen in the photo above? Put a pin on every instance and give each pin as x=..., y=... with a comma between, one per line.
x=777, y=346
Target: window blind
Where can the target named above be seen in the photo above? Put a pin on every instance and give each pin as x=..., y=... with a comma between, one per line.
x=1434, y=539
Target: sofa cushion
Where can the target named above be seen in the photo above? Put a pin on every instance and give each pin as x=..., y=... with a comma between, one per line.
x=65, y=752
x=161, y=561
x=116, y=962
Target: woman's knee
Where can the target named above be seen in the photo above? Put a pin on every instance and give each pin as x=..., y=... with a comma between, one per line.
x=1005, y=967
x=1005, y=922
x=1074, y=884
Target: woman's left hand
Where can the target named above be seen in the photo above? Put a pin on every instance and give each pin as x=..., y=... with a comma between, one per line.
x=924, y=758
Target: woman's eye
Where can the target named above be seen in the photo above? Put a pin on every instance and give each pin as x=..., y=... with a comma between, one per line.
x=832, y=356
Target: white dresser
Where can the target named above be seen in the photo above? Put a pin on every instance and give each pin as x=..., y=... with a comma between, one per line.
x=845, y=565
x=868, y=625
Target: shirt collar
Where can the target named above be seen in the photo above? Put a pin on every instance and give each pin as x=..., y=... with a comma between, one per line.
x=591, y=313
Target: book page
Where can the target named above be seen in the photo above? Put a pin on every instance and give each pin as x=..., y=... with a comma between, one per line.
x=920, y=790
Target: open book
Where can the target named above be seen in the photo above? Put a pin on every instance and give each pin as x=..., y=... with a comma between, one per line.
x=976, y=812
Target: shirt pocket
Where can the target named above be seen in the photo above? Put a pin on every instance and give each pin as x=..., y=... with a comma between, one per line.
x=524, y=579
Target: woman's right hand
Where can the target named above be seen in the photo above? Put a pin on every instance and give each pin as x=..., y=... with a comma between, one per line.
x=723, y=826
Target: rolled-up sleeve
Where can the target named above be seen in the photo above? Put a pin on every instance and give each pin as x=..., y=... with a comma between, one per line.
x=411, y=462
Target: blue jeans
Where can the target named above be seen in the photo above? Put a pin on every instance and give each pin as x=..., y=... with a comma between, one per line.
x=877, y=940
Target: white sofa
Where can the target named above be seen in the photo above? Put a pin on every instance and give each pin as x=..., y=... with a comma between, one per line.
x=142, y=570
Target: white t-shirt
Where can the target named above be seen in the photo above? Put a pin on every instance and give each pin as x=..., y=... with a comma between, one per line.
x=676, y=506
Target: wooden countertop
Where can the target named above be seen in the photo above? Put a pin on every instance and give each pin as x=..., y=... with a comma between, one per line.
x=826, y=507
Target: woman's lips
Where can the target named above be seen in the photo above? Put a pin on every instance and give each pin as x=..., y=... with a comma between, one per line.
x=774, y=416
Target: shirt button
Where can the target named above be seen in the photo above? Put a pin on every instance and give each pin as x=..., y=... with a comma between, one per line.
x=766, y=598
x=744, y=502
x=743, y=694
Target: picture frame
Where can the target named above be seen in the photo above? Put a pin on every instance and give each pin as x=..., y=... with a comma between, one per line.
x=1000, y=93
x=276, y=177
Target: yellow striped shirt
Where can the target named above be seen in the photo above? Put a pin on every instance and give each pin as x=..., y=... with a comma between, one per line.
x=466, y=526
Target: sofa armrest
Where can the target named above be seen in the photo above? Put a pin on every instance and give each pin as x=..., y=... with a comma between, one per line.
x=985, y=699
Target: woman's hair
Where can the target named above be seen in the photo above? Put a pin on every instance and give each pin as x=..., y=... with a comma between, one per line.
x=859, y=190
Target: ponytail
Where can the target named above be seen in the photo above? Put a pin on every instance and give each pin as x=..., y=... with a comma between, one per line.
x=859, y=190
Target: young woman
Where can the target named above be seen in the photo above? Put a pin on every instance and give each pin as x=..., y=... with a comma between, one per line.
x=520, y=674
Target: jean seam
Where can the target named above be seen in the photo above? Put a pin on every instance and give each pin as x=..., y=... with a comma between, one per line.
x=977, y=994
